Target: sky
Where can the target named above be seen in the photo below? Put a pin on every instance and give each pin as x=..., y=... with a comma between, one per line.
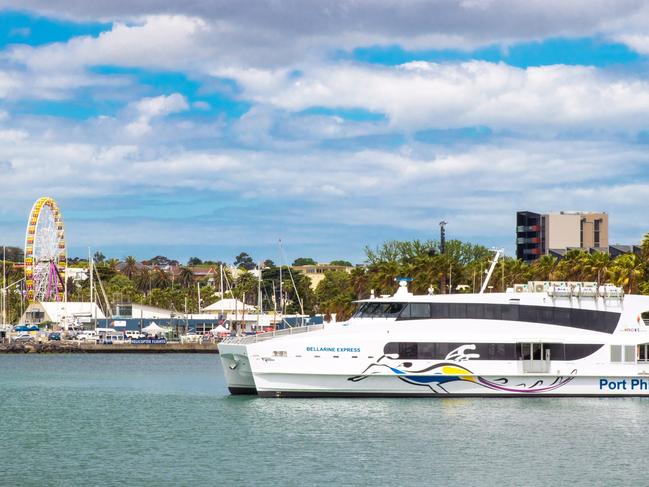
x=192, y=128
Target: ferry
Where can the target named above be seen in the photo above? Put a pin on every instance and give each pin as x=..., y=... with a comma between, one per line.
x=540, y=339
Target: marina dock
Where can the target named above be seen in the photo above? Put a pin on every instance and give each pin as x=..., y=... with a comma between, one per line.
x=76, y=347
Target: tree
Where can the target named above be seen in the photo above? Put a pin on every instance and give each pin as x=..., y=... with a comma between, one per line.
x=341, y=262
x=627, y=271
x=130, y=267
x=99, y=257
x=194, y=261
x=335, y=294
x=597, y=266
x=13, y=254
x=304, y=261
x=160, y=279
x=243, y=260
x=245, y=285
x=186, y=277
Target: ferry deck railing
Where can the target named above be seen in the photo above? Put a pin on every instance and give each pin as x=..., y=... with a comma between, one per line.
x=260, y=337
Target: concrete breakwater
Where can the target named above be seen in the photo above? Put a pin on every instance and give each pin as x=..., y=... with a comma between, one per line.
x=76, y=347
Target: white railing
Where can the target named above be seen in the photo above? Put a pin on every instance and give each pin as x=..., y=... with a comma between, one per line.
x=260, y=337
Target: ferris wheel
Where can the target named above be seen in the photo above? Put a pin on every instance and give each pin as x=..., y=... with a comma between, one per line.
x=46, y=256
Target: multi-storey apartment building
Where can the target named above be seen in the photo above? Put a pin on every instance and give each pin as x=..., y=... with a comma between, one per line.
x=537, y=234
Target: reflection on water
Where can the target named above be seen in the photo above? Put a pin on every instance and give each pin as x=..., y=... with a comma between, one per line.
x=168, y=420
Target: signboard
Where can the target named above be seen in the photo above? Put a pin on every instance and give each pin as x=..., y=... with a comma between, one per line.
x=119, y=324
x=149, y=341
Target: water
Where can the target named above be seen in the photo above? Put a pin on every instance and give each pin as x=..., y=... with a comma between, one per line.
x=168, y=420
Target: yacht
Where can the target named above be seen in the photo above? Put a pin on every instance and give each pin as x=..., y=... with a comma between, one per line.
x=540, y=339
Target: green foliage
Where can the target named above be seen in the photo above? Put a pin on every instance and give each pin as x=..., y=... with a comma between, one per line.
x=243, y=260
x=460, y=269
x=13, y=254
x=345, y=263
x=194, y=261
x=303, y=261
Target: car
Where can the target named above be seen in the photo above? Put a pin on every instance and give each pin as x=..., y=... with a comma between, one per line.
x=23, y=338
x=55, y=335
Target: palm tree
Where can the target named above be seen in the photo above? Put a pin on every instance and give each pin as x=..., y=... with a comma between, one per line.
x=597, y=266
x=143, y=280
x=130, y=267
x=186, y=277
x=543, y=268
x=160, y=279
x=627, y=270
x=572, y=266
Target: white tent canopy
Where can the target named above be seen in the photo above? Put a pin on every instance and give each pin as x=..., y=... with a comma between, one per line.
x=219, y=329
x=154, y=329
x=229, y=305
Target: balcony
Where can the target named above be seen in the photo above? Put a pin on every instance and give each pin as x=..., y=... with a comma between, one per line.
x=528, y=240
x=528, y=228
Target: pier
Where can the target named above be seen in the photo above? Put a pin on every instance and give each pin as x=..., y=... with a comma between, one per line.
x=77, y=347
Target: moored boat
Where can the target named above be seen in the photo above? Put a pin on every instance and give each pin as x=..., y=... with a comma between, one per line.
x=570, y=339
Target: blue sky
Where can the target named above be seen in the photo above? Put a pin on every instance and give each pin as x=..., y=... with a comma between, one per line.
x=187, y=129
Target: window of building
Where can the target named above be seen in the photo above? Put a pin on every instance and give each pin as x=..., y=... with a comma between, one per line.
x=596, y=233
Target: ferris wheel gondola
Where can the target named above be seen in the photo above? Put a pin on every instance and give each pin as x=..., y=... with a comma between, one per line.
x=45, y=252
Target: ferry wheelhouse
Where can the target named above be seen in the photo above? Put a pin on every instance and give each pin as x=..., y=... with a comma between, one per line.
x=569, y=339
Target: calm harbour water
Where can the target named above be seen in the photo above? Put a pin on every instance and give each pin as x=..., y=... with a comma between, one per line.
x=168, y=420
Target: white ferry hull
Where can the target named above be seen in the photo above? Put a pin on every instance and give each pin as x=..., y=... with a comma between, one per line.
x=236, y=368
x=299, y=385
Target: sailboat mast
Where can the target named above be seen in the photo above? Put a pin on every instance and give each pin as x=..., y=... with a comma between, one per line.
x=222, y=294
x=4, y=285
x=259, y=296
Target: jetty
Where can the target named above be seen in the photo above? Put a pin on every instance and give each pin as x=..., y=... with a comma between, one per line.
x=77, y=347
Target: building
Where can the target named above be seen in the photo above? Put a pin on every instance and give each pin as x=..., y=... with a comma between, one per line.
x=61, y=314
x=316, y=272
x=540, y=234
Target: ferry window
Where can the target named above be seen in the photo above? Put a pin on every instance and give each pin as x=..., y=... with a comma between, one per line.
x=391, y=348
x=414, y=311
x=629, y=353
x=458, y=311
x=643, y=355
x=427, y=351
x=492, y=312
x=390, y=310
x=379, y=310
x=440, y=310
x=510, y=313
x=407, y=350
x=616, y=353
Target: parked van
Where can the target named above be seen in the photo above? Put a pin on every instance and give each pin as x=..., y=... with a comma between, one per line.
x=114, y=338
x=86, y=336
x=135, y=334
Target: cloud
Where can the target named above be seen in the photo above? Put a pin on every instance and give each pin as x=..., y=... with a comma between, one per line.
x=422, y=95
x=149, y=108
x=155, y=41
x=349, y=23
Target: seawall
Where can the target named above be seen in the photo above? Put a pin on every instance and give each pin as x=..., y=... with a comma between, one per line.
x=75, y=347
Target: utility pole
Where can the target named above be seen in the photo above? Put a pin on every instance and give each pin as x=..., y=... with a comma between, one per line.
x=198, y=286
